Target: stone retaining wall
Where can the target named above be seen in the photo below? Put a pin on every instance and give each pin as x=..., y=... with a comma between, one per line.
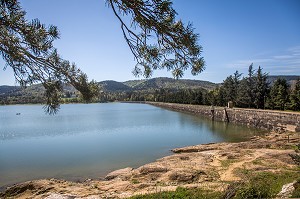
x=266, y=119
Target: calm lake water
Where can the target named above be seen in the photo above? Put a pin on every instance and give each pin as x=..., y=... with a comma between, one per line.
x=89, y=140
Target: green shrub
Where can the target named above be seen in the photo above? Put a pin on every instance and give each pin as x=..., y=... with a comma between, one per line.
x=296, y=157
x=181, y=193
x=265, y=185
x=296, y=192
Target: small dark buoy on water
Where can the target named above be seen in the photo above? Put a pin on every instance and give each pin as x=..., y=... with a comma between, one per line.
x=18, y=113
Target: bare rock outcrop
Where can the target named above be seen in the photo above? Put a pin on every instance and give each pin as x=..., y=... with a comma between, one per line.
x=121, y=173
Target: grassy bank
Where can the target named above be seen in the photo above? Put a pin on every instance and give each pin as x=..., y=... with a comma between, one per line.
x=260, y=185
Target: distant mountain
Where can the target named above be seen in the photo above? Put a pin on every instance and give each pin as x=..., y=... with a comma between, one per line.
x=134, y=83
x=147, y=85
x=18, y=91
x=169, y=83
x=113, y=86
x=9, y=89
x=154, y=84
x=291, y=79
x=35, y=93
x=16, y=95
x=31, y=94
x=128, y=90
x=36, y=89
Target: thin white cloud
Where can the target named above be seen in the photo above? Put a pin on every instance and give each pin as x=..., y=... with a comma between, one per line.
x=294, y=49
x=287, y=62
x=283, y=71
x=280, y=57
x=246, y=63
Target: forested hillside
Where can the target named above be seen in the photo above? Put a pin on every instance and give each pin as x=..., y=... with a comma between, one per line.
x=109, y=90
x=289, y=78
x=169, y=83
x=257, y=90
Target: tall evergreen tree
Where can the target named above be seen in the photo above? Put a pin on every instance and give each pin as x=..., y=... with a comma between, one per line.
x=245, y=89
x=279, y=94
x=261, y=88
x=243, y=98
x=236, y=81
x=295, y=97
x=229, y=89
x=250, y=86
x=220, y=97
x=211, y=97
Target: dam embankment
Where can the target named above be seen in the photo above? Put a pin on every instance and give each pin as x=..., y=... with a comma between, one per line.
x=278, y=121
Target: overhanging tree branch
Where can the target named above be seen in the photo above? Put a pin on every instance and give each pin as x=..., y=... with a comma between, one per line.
x=156, y=39
x=27, y=47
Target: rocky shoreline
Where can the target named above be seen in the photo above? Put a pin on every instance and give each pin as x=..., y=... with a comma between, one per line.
x=209, y=166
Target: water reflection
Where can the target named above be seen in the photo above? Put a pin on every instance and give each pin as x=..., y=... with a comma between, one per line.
x=228, y=132
x=87, y=141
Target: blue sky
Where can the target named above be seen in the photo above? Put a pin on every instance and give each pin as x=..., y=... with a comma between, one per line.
x=233, y=34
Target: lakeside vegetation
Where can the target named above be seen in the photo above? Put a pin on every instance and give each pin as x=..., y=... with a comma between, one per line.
x=256, y=90
x=261, y=185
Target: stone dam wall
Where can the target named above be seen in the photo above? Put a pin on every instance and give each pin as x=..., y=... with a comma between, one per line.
x=278, y=121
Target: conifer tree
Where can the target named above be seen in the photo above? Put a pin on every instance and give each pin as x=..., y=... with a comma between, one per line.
x=157, y=39
x=27, y=47
x=236, y=81
x=250, y=86
x=261, y=88
x=245, y=89
x=243, y=98
x=295, y=97
x=279, y=94
x=229, y=89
